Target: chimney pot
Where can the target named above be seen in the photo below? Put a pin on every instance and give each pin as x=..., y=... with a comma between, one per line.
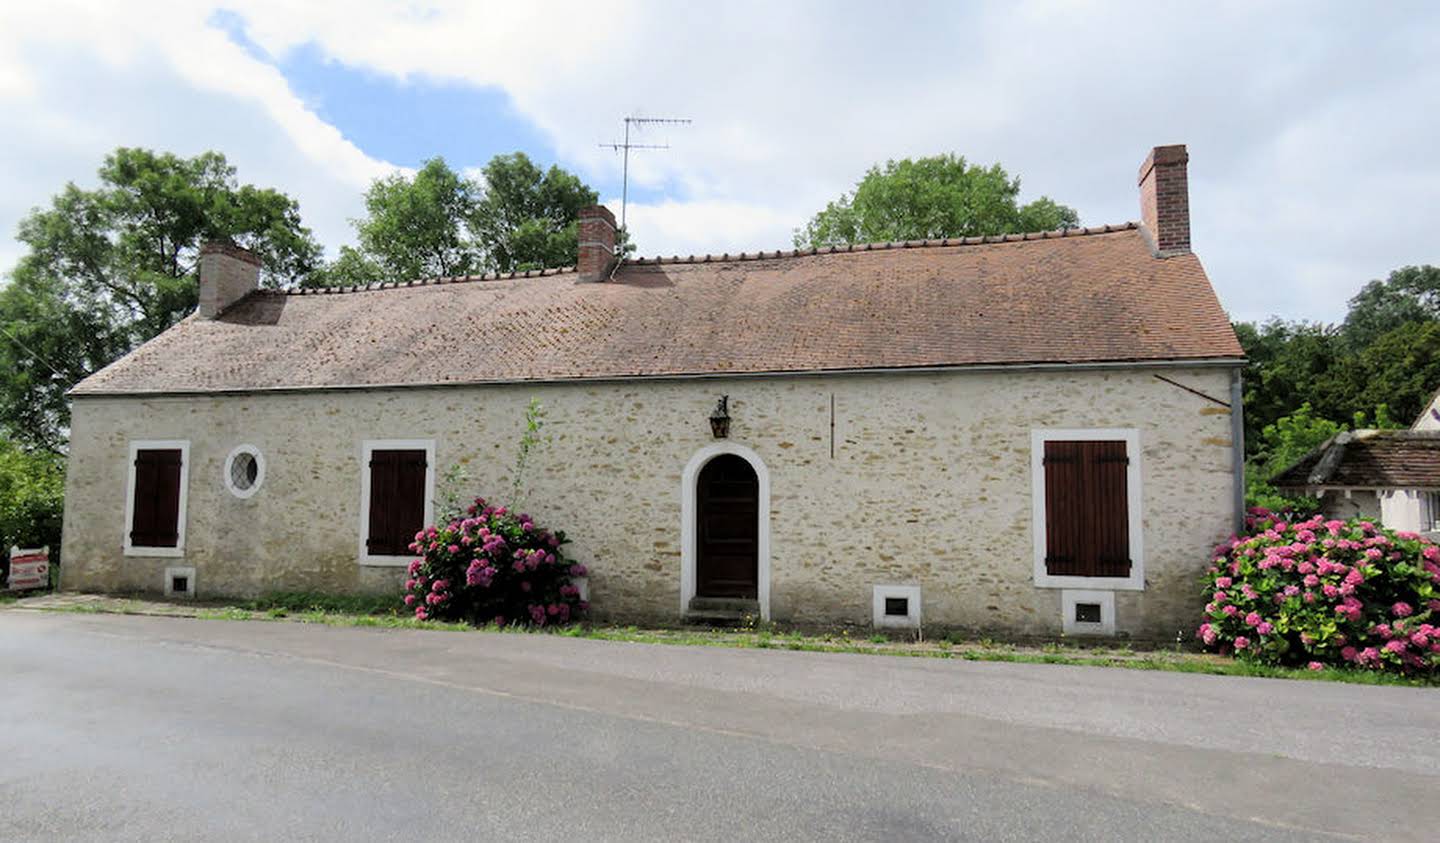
x=597, y=243
x=228, y=274
x=1165, y=200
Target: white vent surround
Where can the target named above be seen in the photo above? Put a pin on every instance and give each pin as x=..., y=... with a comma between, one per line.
x=1105, y=600
x=183, y=577
x=883, y=594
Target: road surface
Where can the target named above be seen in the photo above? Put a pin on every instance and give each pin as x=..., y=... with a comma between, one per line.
x=142, y=728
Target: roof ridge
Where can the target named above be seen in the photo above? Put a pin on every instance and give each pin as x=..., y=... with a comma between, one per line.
x=897, y=244
x=425, y=282
x=659, y=260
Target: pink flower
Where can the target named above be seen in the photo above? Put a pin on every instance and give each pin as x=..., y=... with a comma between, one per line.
x=1223, y=582
x=1315, y=666
x=1231, y=610
x=1396, y=645
x=1348, y=654
x=1330, y=591
x=1221, y=597
x=1264, y=628
x=409, y=600
x=1311, y=580
x=1252, y=619
x=1401, y=610
x=1241, y=642
x=454, y=548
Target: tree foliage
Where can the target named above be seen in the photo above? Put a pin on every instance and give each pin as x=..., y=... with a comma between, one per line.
x=32, y=488
x=515, y=217
x=111, y=267
x=935, y=197
x=528, y=218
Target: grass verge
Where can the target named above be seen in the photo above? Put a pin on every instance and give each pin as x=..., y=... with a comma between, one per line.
x=383, y=612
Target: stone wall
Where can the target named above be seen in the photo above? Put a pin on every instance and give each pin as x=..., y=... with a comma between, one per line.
x=923, y=479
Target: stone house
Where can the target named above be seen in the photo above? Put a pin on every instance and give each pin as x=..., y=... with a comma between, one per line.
x=1021, y=434
x=1391, y=476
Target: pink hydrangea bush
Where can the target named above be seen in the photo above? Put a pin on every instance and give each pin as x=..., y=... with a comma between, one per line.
x=1314, y=592
x=493, y=566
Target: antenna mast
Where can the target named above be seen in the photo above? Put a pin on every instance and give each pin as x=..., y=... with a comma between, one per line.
x=626, y=146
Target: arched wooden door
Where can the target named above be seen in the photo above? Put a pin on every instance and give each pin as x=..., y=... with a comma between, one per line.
x=727, y=526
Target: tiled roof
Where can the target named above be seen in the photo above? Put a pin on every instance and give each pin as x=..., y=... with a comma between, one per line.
x=1083, y=296
x=1369, y=459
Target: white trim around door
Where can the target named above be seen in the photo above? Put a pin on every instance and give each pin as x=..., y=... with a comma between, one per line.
x=687, y=522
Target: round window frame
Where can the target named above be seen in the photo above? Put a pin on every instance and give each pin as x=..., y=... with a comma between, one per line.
x=259, y=458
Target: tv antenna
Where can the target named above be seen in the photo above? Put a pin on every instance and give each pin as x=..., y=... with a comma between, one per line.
x=626, y=146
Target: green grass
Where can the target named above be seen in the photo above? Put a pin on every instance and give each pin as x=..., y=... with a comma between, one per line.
x=385, y=613
x=300, y=602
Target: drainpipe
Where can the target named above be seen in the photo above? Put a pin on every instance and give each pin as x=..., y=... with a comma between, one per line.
x=1237, y=438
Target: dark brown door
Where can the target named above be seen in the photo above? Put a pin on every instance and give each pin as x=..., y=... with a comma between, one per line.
x=727, y=523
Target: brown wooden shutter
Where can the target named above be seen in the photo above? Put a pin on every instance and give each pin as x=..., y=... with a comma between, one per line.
x=1109, y=537
x=156, y=518
x=1087, y=518
x=397, y=501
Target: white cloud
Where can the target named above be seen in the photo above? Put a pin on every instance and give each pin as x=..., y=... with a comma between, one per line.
x=1309, y=125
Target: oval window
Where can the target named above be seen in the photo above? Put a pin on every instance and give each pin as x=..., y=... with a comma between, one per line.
x=244, y=471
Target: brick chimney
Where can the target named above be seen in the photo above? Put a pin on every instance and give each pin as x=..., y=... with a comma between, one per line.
x=1165, y=200
x=597, y=243
x=228, y=274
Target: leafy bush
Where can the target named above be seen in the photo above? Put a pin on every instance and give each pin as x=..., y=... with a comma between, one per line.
x=1319, y=592
x=492, y=566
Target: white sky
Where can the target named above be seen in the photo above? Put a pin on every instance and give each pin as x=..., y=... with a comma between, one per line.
x=1311, y=126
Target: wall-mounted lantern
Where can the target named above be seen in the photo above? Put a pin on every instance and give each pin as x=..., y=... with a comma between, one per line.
x=720, y=419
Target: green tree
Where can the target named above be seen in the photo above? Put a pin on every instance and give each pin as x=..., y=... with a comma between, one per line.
x=417, y=227
x=1290, y=363
x=1409, y=295
x=1400, y=367
x=527, y=217
x=111, y=267
x=32, y=488
x=439, y=222
x=935, y=197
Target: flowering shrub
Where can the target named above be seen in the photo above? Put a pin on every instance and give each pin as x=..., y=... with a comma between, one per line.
x=493, y=566
x=1317, y=593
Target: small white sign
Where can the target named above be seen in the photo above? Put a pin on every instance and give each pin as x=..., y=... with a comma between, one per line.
x=29, y=568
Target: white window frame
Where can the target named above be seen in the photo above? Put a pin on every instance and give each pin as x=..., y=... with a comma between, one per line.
x=136, y=446
x=1131, y=437
x=1070, y=626
x=911, y=620
x=253, y=451
x=171, y=574
x=366, y=448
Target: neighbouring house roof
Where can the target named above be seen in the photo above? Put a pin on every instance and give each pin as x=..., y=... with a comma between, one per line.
x=1080, y=296
x=1369, y=459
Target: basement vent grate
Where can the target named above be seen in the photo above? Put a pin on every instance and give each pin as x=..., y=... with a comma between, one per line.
x=1087, y=613
x=897, y=607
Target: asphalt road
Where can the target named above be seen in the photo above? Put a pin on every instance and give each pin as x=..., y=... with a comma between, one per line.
x=131, y=728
